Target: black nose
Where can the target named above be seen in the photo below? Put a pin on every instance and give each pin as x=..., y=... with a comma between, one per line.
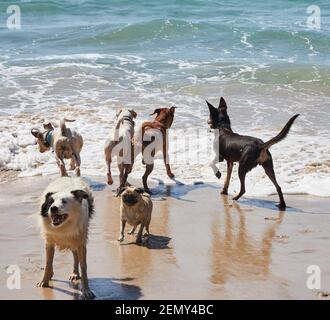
x=54, y=209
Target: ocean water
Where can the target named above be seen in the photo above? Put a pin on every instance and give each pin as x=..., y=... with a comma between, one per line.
x=85, y=59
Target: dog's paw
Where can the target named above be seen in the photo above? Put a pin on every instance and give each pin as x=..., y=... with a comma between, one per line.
x=110, y=180
x=170, y=175
x=281, y=206
x=74, y=277
x=224, y=191
x=121, y=239
x=87, y=294
x=138, y=240
x=43, y=284
x=236, y=198
x=218, y=174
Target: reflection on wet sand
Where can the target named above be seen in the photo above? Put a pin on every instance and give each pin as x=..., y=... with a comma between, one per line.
x=235, y=250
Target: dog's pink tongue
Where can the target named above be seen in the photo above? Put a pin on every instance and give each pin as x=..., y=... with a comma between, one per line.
x=57, y=219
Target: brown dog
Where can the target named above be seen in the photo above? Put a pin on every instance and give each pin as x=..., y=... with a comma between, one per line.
x=154, y=139
x=247, y=151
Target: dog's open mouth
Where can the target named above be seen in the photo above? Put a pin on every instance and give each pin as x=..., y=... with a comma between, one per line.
x=58, y=219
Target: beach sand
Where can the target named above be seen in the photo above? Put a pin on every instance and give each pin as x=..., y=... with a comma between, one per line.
x=203, y=246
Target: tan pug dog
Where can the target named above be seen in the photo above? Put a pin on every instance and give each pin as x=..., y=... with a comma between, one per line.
x=135, y=208
x=66, y=143
x=66, y=208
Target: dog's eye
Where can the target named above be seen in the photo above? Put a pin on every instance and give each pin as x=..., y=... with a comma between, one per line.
x=64, y=201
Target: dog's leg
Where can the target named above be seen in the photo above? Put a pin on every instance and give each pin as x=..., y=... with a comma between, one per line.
x=108, y=160
x=132, y=230
x=149, y=168
x=121, y=169
x=78, y=163
x=50, y=251
x=241, y=175
x=147, y=233
x=110, y=180
x=61, y=164
x=215, y=169
x=269, y=170
x=72, y=164
x=75, y=274
x=139, y=235
x=166, y=156
x=86, y=291
x=229, y=171
x=125, y=174
x=122, y=230
x=121, y=172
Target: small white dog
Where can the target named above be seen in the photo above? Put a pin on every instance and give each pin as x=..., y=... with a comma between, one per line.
x=66, y=208
x=66, y=143
x=119, y=145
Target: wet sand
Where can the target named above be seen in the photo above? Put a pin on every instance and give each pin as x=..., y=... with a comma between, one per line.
x=203, y=246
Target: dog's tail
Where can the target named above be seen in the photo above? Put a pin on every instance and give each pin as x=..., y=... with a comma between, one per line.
x=284, y=132
x=116, y=133
x=63, y=126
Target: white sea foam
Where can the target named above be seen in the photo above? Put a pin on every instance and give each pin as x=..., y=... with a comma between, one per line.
x=301, y=162
x=89, y=87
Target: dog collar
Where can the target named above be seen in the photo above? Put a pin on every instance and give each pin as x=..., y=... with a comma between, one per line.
x=48, y=138
x=127, y=118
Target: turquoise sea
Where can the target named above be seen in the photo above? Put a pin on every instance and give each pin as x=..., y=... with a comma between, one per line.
x=85, y=58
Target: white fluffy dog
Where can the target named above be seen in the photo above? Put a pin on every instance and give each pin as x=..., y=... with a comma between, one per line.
x=66, y=208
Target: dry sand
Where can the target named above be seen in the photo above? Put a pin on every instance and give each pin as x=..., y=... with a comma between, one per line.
x=203, y=246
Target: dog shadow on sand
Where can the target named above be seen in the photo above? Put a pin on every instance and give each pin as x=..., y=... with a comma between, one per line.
x=178, y=190
x=152, y=241
x=266, y=204
x=103, y=288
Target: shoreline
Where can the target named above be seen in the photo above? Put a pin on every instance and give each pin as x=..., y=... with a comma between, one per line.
x=202, y=246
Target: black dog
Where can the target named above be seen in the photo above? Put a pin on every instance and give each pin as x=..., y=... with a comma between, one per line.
x=247, y=151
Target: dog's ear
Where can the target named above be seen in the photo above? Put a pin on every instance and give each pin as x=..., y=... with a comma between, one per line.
x=139, y=190
x=35, y=132
x=222, y=103
x=80, y=195
x=213, y=110
x=214, y=114
x=134, y=114
x=122, y=189
x=172, y=109
x=46, y=205
x=118, y=112
x=155, y=111
x=48, y=126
